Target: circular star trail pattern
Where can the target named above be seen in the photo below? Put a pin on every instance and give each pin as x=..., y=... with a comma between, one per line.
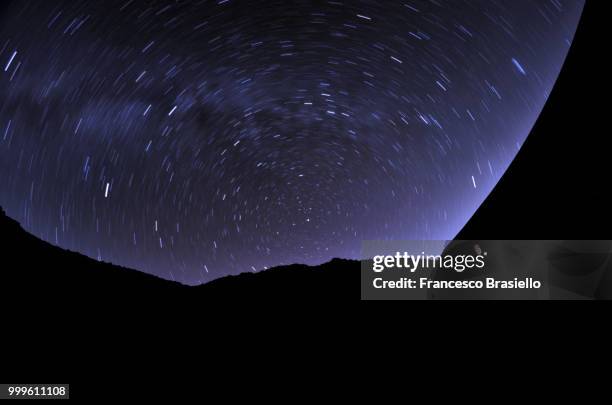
x=196, y=139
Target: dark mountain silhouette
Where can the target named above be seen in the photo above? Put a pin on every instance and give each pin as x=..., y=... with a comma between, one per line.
x=34, y=269
x=338, y=279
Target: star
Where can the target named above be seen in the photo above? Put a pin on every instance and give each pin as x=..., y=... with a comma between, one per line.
x=196, y=139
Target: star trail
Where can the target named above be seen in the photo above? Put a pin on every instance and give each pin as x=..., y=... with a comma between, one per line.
x=197, y=139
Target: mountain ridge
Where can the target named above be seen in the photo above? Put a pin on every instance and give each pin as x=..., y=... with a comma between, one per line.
x=38, y=268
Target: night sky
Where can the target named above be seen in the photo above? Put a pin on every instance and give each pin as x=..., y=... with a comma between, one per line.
x=196, y=139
